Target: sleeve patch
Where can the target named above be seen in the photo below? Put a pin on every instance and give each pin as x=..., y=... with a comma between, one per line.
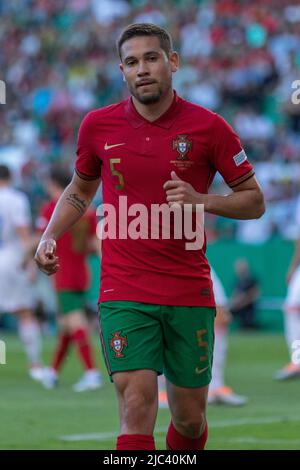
x=240, y=158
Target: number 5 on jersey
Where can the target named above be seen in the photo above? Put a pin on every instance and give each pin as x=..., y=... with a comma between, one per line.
x=118, y=174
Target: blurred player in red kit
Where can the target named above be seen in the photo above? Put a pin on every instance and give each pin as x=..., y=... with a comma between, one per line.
x=71, y=283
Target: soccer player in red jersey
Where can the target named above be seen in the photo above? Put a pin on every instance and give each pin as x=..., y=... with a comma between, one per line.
x=156, y=301
x=71, y=283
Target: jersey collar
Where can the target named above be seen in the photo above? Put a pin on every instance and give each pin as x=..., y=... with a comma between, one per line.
x=165, y=120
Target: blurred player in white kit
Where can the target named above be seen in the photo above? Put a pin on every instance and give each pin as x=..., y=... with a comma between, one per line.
x=16, y=292
x=292, y=312
x=218, y=391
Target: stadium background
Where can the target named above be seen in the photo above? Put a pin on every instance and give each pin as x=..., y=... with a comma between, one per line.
x=239, y=58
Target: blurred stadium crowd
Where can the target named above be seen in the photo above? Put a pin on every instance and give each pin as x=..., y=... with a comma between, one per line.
x=239, y=58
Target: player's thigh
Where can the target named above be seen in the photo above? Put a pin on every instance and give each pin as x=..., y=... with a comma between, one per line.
x=138, y=401
x=188, y=350
x=137, y=385
x=76, y=320
x=131, y=336
x=185, y=403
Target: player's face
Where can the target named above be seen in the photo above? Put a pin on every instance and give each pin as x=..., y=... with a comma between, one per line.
x=147, y=68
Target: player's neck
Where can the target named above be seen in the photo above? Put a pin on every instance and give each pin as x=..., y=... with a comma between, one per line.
x=151, y=112
x=4, y=184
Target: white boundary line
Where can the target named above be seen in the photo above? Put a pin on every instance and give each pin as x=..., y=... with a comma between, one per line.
x=104, y=436
x=255, y=440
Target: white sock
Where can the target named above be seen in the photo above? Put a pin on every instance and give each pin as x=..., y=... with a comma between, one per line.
x=30, y=335
x=220, y=349
x=291, y=329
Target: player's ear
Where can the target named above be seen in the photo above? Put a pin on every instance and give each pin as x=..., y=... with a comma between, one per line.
x=122, y=70
x=174, y=61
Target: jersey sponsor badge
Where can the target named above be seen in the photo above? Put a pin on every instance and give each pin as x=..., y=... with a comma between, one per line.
x=118, y=343
x=240, y=158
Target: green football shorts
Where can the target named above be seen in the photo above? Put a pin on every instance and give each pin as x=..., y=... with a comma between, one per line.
x=70, y=301
x=176, y=341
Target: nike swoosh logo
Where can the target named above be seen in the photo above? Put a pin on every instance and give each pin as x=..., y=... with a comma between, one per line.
x=107, y=147
x=200, y=371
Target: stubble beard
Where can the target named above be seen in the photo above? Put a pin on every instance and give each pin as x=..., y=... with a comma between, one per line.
x=147, y=98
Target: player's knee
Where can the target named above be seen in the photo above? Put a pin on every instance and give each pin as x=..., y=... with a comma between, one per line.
x=76, y=320
x=190, y=426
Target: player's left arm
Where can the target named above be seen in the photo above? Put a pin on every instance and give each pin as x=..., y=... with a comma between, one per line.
x=245, y=202
x=227, y=156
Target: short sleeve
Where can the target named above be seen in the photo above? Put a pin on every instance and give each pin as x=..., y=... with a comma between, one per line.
x=20, y=212
x=88, y=165
x=227, y=154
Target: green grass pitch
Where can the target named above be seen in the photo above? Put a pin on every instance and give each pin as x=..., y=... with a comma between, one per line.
x=34, y=418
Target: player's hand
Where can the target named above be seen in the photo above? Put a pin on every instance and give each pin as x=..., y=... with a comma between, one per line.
x=180, y=192
x=45, y=256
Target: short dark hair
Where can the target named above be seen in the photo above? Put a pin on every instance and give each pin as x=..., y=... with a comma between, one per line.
x=5, y=173
x=60, y=176
x=146, y=29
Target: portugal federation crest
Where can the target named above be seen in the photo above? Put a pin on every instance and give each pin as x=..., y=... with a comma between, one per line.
x=182, y=145
x=118, y=343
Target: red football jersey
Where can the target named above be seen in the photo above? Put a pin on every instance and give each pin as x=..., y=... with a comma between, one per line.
x=72, y=250
x=135, y=158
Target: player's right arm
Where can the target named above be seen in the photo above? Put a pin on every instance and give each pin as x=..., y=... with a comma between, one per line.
x=70, y=207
